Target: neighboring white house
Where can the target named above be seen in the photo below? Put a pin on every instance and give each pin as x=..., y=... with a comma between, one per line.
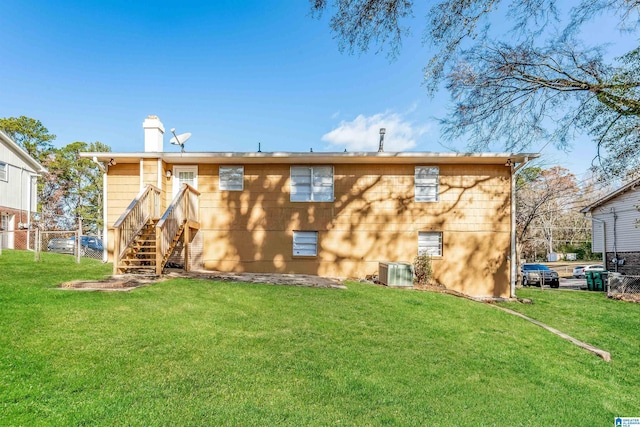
x=18, y=192
x=616, y=228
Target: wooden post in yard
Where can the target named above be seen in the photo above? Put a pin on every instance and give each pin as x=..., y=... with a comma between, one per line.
x=79, y=240
x=187, y=237
x=36, y=245
x=159, y=254
x=116, y=250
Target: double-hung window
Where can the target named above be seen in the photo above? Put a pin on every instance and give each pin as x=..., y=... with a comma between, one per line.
x=3, y=171
x=231, y=178
x=311, y=183
x=426, y=183
x=305, y=243
x=430, y=243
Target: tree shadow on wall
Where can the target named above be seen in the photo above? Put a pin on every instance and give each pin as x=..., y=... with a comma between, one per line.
x=373, y=218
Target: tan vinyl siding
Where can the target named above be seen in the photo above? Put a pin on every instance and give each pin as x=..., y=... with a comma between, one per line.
x=150, y=172
x=123, y=186
x=372, y=218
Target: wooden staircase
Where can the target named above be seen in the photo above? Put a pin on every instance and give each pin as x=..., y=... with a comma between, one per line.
x=145, y=242
x=141, y=255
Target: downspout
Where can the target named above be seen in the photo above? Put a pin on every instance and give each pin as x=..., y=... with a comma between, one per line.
x=604, y=239
x=105, y=232
x=105, y=243
x=21, y=194
x=615, y=248
x=514, y=261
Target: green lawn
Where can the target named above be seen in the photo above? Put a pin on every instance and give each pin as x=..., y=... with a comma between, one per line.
x=196, y=352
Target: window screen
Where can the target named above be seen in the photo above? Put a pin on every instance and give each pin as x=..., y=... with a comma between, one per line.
x=426, y=183
x=231, y=178
x=311, y=184
x=305, y=243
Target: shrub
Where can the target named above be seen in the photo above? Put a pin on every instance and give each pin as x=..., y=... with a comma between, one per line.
x=422, y=270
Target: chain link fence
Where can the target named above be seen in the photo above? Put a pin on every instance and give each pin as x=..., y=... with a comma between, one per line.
x=80, y=242
x=623, y=287
x=67, y=243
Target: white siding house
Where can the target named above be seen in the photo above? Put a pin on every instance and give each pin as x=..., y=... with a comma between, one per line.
x=616, y=228
x=18, y=192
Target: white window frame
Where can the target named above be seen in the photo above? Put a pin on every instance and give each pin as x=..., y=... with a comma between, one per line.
x=427, y=177
x=4, y=172
x=228, y=180
x=316, y=187
x=305, y=243
x=426, y=244
x=176, y=180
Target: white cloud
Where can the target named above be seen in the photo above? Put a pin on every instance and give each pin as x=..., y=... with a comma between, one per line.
x=363, y=133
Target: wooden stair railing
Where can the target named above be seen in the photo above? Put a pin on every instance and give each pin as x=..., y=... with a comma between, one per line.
x=178, y=220
x=140, y=256
x=143, y=209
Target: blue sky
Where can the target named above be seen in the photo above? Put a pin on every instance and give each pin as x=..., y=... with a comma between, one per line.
x=233, y=73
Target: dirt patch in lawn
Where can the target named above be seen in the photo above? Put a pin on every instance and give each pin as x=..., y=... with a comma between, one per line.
x=114, y=283
x=127, y=282
x=627, y=297
x=305, y=280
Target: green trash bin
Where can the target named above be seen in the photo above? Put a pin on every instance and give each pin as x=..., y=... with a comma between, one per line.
x=589, y=276
x=599, y=281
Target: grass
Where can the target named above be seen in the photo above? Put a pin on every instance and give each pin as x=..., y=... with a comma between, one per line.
x=196, y=352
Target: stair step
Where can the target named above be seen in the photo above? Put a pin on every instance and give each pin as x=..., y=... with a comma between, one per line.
x=137, y=268
x=136, y=261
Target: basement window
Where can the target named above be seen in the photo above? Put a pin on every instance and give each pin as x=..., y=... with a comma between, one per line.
x=231, y=178
x=426, y=183
x=305, y=243
x=430, y=243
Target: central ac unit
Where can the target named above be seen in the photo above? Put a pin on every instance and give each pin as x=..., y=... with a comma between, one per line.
x=395, y=274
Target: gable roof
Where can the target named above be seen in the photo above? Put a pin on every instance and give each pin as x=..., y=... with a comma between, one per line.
x=20, y=152
x=627, y=187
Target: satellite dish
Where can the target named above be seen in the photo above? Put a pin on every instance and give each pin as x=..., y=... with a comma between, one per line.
x=179, y=139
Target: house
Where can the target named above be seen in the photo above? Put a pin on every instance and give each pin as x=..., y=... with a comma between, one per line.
x=328, y=214
x=18, y=193
x=615, y=228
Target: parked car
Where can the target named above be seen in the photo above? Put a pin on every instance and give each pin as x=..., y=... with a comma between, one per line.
x=89, y=246
x=579, y=272
x=538, y=274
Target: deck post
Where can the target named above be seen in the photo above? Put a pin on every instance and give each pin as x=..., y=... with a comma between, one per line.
x=116, y=250
x=159, y=249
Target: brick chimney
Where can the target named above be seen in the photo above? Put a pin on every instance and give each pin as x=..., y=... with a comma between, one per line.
x=153, y=134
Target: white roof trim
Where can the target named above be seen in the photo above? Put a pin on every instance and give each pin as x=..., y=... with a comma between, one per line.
x=13, y=146
x=629, y=186
x=317, y=157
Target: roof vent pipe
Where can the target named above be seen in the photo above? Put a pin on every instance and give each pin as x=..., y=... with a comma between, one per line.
x=381, y=146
